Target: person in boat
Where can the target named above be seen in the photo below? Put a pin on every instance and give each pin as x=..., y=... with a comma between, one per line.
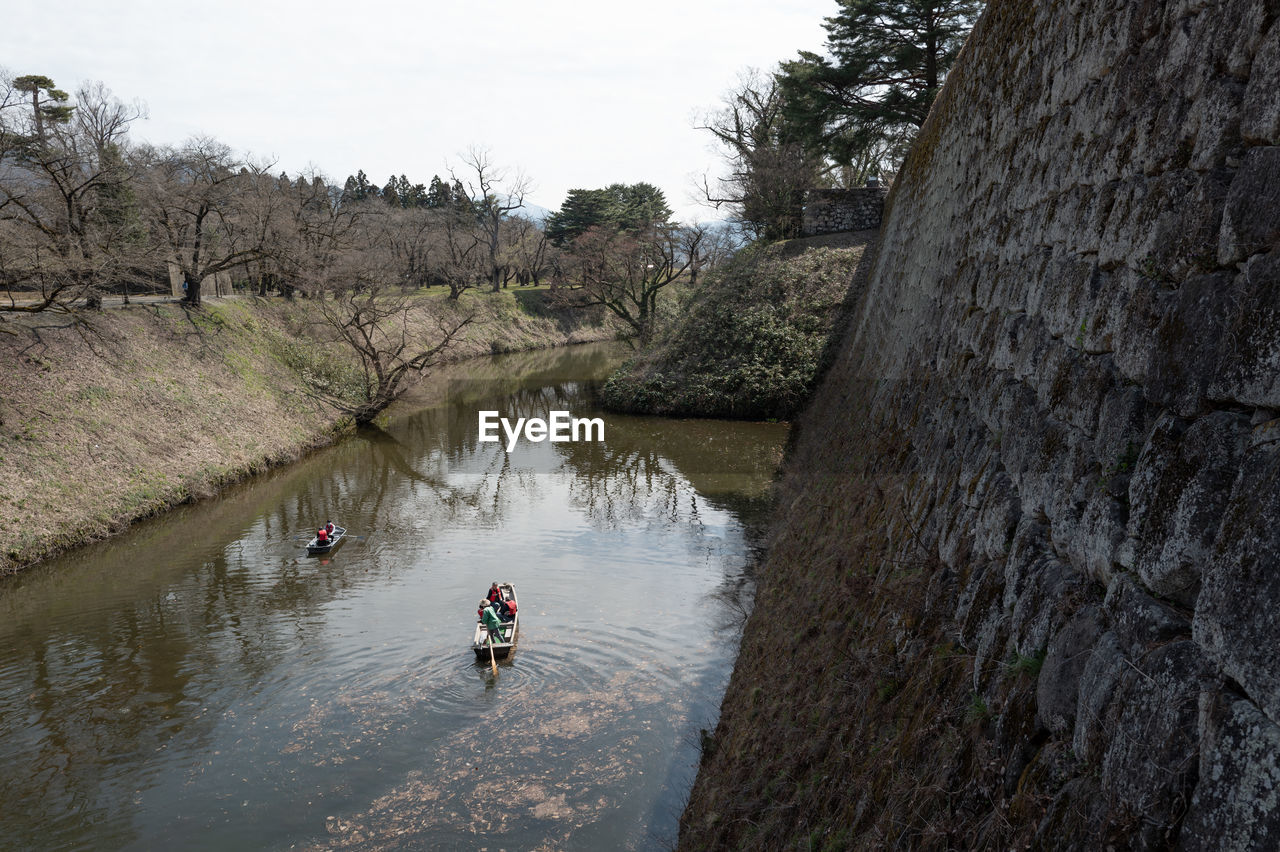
x=495, y=594
x=322, y=536
x=487, y=603
x=506, y=610
x=491, y=621
x=329, y=529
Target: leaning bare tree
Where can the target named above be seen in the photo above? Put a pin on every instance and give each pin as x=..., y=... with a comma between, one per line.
x=396, y=335
x=394, y=339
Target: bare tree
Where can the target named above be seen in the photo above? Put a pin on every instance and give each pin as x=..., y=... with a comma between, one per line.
x=531, y=250
x=394, y=334
x=382, y=328
x=407, y=233
x=768, y=172
x=495, y=198
x=213, y=211
x=625, y=271
x=67, y=223
x=459, y=258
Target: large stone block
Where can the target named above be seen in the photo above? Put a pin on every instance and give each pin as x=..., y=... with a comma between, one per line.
x=1177, y=498
x=1260, y=111
x=1237, y=618
x=1058, y=687
x=1184, y=358
x=998, y=518
x=1251, y=221
x=1236, y=805
x=1248, y=369
x=1105, y=666
x=1139, y=621
x=1150, y=762
x=1044, y=603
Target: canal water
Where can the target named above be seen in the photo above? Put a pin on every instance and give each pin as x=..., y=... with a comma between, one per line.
x=202, y=683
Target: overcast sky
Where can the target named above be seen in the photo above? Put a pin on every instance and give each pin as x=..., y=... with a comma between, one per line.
x=574, y=94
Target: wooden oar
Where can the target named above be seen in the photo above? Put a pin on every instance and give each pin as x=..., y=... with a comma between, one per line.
x=492, y=660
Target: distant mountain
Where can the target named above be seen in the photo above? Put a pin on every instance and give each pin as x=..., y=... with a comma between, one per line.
x=536, y=212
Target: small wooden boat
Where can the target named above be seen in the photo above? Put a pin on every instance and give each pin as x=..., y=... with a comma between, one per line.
x=315, y=546
x=501, y=650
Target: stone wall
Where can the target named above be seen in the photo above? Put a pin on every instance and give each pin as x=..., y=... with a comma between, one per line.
x=832, y=211
x=1073, y=329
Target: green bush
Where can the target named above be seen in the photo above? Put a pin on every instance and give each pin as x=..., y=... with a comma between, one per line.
x=751, y=341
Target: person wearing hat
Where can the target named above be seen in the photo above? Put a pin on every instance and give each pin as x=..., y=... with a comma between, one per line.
x=495, y=594
x=491, y=621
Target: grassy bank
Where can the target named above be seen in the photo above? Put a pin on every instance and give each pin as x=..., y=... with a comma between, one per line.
x=116, y=415
x=753, y=339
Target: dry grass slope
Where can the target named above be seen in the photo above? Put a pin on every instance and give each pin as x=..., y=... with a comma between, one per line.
x=111, y=417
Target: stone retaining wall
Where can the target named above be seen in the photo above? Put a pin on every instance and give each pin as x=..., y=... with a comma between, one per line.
x=1074, y=324
x=831, y=211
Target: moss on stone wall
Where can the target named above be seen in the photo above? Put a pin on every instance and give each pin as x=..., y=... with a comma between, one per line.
x=1049, y=436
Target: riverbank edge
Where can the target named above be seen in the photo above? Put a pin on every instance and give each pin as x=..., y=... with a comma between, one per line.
x=241, y=377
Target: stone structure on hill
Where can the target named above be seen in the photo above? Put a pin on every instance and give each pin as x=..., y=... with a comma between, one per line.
x=832, y=211
x=1071, y=347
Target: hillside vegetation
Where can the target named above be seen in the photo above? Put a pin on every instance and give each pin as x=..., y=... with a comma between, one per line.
x=111, y=416
x=751, y=342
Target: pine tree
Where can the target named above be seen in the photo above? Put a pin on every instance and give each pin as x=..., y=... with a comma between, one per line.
x=625, y=207
x=887, y=62
x=391, y=192
x=438, y=193
x=582, y=209
x=48, y=103
x=358, y=188
x=638, y=205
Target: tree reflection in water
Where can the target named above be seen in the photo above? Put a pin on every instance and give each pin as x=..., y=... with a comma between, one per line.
x=201, y=677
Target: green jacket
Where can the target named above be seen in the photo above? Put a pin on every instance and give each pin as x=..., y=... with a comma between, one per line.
x=491, y=620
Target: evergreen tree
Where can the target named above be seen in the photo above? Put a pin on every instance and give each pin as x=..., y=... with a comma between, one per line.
x=887, y=62
x=48, y=103
x=638, y=205
x=391, y=192
x=414, y=195
x=117, y=201
x=582, y=209
x=358, y=188
x=624, y=207
x=438, y=193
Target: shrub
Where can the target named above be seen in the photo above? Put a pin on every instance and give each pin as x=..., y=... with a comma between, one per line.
x=751, y=342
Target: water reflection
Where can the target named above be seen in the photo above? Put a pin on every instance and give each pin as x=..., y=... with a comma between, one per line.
x=201, y=681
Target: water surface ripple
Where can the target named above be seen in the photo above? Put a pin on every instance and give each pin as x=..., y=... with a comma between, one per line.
x=202, y=683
